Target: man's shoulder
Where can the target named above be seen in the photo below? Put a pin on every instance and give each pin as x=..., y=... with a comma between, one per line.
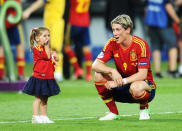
x=110, y=43
x=139, y=41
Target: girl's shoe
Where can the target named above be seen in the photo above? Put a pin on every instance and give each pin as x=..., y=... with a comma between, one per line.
x=36, y=119
x=45, y=119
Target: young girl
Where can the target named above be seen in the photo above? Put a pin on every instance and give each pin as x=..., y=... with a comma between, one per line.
x=42, y=83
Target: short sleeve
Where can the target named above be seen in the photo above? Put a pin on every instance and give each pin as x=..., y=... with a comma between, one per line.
x=143, y=54
x=106, y=54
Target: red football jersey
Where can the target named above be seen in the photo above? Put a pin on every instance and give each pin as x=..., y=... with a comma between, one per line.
x=128, y=60
x=43, y=67
x=79, y=13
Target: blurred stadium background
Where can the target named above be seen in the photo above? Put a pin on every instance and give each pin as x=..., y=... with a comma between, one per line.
x=97, y=28
x=78, y=106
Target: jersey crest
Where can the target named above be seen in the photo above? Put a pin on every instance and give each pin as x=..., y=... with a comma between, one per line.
x=133, y=56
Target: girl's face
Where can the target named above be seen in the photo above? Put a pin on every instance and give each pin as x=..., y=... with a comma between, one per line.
x=120, y=34
x=44, y=38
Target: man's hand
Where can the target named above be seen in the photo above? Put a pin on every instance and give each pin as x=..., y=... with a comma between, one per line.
x=111, y=84
x=117, y=78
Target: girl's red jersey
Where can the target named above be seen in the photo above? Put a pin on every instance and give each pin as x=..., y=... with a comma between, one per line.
x=43, y=67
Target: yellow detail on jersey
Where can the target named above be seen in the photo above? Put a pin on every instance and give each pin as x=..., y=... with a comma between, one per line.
x=110, y=40
x=38, y=48
x=108, y=100
x=142, y=45
x=1, y=66
x=88, y=63
x=140, y=97
x=125, y=66
x=116, y=55
x=83, y=6
x=73, y=60
x=100, y=83
x=21, y=63
x=1, y=2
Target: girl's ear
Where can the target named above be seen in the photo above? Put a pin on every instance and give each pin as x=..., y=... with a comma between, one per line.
x=37, y=38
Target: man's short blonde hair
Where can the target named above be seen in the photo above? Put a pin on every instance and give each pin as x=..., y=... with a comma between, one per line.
x=124, y=20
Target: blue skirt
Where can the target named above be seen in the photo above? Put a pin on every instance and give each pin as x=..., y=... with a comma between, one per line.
x=41, y=87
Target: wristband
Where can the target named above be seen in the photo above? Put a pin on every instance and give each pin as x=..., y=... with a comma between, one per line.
x=124, y=81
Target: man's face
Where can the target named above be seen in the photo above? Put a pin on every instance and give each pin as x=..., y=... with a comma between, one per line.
x=119, y=33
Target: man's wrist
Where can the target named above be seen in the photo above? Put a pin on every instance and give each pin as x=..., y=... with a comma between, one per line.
x=124, y=81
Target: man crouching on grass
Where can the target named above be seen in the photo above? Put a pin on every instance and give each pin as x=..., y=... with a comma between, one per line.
x=132, y=81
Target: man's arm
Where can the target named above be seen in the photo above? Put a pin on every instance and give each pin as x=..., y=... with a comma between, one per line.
x=100, y=67
x=172, y=13
x=139, y=76
x=178, y=2
x=36, y=5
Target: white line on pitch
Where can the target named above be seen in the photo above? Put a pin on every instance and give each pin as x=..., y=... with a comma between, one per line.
x=83, y=118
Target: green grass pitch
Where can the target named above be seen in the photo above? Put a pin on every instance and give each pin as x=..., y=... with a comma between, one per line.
x=78, y=107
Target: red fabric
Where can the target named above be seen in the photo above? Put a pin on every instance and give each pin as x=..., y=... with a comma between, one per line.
x=70, y=53
x=79, y=13
x=2, y=65
x=12, y=12
x=88, y=60
x=21, y=67
x=43, y=67
x=176, y=29
x=105, y=94
x=21, y=70
x=128, y=61
x=143, y=99
x=145, y=106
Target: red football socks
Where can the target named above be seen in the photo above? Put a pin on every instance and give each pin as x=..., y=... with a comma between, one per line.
x=21, y=66
x=106, y=97
x=72, y=57
x=143, y=99
x=2, y=67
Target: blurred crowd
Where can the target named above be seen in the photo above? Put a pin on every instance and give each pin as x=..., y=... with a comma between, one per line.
x=69, y=22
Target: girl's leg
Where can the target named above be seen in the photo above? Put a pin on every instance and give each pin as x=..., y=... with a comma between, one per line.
x=43, y=105
x=36, y=106
x=43, y=109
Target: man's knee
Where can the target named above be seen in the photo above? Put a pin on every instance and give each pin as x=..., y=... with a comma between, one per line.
x=136, y=89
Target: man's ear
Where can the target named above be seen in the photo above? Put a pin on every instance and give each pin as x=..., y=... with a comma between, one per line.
x=128, y=30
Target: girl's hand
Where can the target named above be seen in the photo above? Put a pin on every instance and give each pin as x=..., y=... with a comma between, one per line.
x=55, y=56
